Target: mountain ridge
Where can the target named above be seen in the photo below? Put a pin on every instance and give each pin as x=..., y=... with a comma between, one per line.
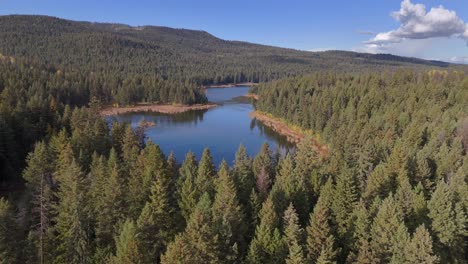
x=187, y=54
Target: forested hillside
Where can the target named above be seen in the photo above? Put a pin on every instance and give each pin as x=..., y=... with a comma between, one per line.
x=196, y=56
x=401, y=141
x=391, y=189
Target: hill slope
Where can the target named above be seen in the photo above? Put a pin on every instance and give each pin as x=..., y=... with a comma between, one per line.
x=172, y=53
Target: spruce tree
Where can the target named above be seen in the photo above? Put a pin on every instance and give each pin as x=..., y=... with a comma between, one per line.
x=72, y=223
x=448, y=222
x=243, y=175
x=267, y=245
x=263, y=166
x=319, y=228
x=344, y=200
x=187, y=198
x=294, y=236
x=113, y=205
x=156, y=224
x=150, y=165
x=420, y=249
x=199, y=243
x=9, y=235
x=204, y=183
x=384, y=235
x=128, y=249
x=39, y=182
x=228, y=217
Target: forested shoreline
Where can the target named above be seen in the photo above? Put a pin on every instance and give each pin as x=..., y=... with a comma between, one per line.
x=399, y=196
x=392, y=187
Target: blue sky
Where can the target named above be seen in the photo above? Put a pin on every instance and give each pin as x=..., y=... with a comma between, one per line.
x=305, y=25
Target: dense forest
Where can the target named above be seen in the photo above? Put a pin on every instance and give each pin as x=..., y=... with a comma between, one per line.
x=392, y=189
x=187, y=55
x=34, y=98
x=76, y=189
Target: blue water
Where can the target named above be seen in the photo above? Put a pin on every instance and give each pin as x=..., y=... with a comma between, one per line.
x=222, y=129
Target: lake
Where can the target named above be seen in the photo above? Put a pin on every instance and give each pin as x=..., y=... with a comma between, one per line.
x=222, y=129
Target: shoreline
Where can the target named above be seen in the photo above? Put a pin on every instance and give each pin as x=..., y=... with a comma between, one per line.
x=251, y=95
x=284, y=129
x=229, y=85
x=155, y=108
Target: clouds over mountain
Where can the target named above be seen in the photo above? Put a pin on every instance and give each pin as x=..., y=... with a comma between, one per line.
x=417, y=23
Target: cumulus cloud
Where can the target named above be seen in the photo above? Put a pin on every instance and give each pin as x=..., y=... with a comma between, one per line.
x=462, y=59
x=417, y=23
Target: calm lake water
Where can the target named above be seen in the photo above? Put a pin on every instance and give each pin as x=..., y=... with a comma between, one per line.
x=222, y=129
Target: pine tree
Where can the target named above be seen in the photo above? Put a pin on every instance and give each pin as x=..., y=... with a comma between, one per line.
x=446, y=224
x=187, y=199
x=294, y=236
x=419, y=249
x=267, y=245
x=328, y=252
x=228, y=217
x=40, y=182
x=383, y=233
x=150, y=165
x=290, y=187
x=243, y=175
x=9, y=231
x=319, y=228
x=344, y=200
x=199, y=243
x=72, y=223
x=112, y=212
x=204, y=182
x=263, y=163
x=128, y=250
x=156, y=225
x=130, y=149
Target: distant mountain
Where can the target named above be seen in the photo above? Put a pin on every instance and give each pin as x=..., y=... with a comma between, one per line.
x=173, y=53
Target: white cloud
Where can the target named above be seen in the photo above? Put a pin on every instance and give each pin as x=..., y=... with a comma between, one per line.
x=462, y=59
x=407, y=47
x=416, y=23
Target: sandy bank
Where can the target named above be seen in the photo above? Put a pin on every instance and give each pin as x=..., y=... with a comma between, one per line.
x=158, y=108
x=292, y=135
x=251, y=95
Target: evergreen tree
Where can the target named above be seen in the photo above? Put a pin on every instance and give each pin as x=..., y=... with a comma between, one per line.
x=294, y=236
x=290, y=187
x=39, y=181
x=243, y=175
x=9, y=235
x=328, y=253
x=72, y=223
x=128, y=249
x=113, y=206
x=385, y=231
x=150, y=166
x=263, y=164
x=319, y=228
x=267, y=245
x=156, y=225
x=419, y=249
x=448, y=223
x=187, y=199
x=199, y=243
x=228, y=216
x=344, y=200
x=204, y=182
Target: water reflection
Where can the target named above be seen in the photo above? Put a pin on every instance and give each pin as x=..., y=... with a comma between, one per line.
x=221, y=129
